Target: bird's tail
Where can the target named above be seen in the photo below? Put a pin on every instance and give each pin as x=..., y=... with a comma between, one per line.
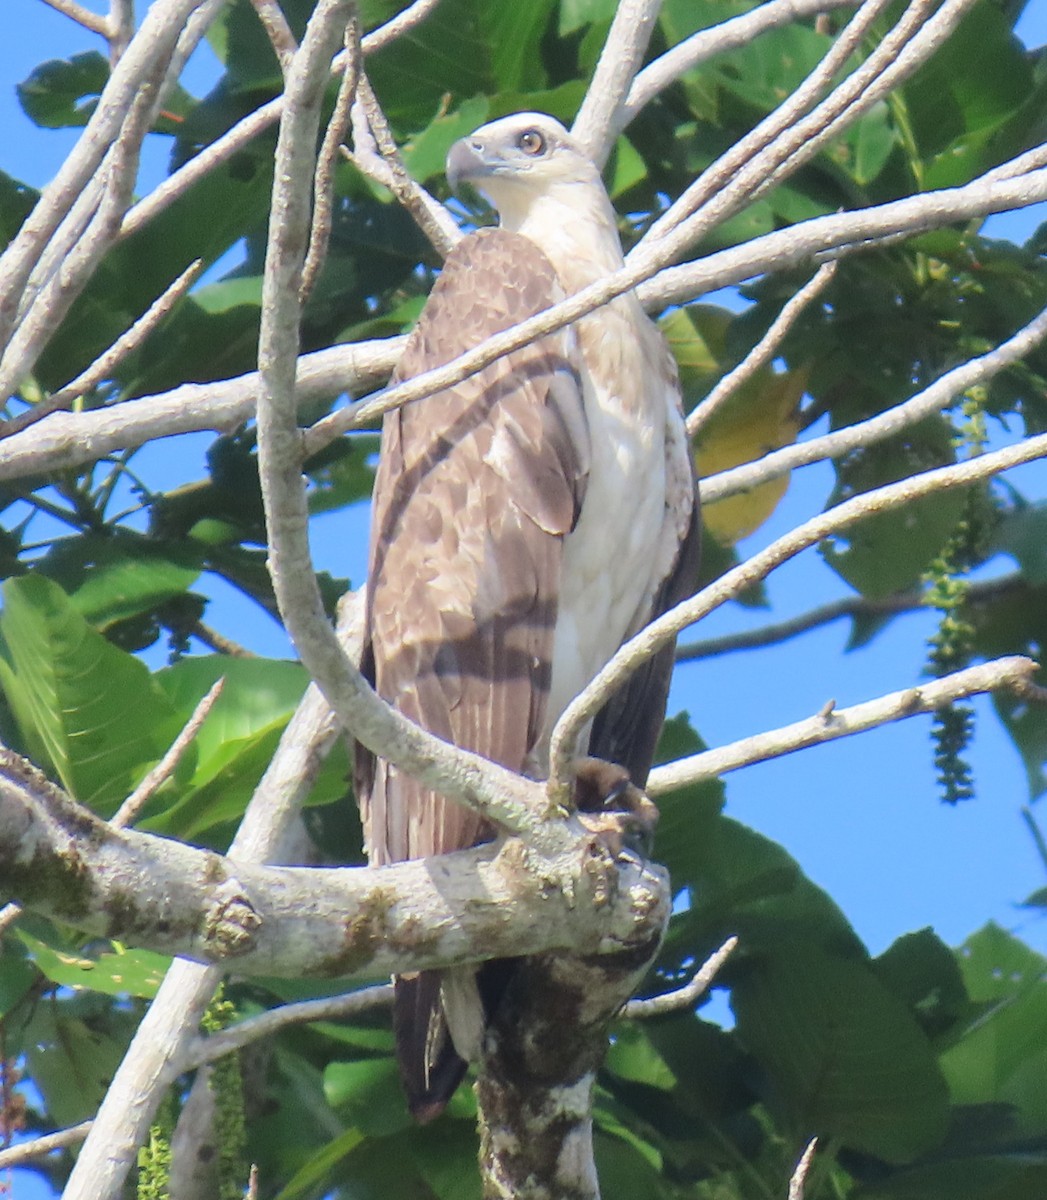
x=430, y=1067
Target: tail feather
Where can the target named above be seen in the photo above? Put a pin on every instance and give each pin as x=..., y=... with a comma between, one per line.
x=430, y=1067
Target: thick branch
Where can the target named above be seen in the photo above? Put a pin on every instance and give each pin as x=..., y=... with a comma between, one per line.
x=600, y=118
x=60, y=860
x=1004, y=674
x=70, y=439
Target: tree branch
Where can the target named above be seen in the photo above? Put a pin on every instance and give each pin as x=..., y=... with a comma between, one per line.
x=659, y=633
x=59, y=859
x=70, y=439
x=799, y=1177
x=884, y=425
x=1004, y=674
x=267, y=1024
x=850, y=606
x=82, y=16
x=376, y=155
x=763, y=351
x=600, y=118
x=686, y=996
x=15, y=1156
x=718, y=39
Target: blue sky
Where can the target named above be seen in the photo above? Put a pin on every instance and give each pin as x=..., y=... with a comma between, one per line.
x=861, y=814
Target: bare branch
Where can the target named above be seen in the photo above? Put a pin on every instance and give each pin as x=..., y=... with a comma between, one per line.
x=120, y=28
x=82, y=16
x=933, y=399
x=718, y=39
x=377, y=156
x=245, y=131
x=763, y=351
x=276, y=27
x=411, y=17
x=600, y=118
x=69, y=439
x=154, y=43
x=324, y=180
x=1003, y=674
x=107, y=362
x=686, y=996
x=15, y=1156
x=164, y=769
x=265, y=1025
x=850, y=606
x=218, y=642
x=661, y=632
x=799, y=1176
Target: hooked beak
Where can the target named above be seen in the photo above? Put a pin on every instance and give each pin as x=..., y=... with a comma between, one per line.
x=465, y=163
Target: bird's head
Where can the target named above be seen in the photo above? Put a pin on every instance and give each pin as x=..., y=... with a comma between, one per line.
x=515, y=161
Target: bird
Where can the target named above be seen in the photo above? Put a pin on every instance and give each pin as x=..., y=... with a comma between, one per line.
x=525, y=523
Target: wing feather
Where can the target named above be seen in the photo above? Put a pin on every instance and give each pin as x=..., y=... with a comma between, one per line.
x=476, y=488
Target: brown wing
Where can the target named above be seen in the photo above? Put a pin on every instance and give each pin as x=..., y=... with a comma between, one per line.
x=476, y=488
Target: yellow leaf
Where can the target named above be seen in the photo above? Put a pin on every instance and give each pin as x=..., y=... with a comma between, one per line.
x=760, y=417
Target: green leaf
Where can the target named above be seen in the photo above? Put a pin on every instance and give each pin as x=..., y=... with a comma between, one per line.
x=63, y=93
x=110, y=578
x=235, y=743
x=425, y=155
x=1018, y=1175
x=845, y=1057
x=689, y=815
x=17, y=975
x=370, y=1093
x=632, y=1057
x=120, y=972
x=91, y=713
x=1003, y=1058
x=1023, y=534
x=317, y=1168
x=72, y=1060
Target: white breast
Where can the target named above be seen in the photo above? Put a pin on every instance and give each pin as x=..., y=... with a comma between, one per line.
x=612, y=559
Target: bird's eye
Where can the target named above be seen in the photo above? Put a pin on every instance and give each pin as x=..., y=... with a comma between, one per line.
x=531, y=142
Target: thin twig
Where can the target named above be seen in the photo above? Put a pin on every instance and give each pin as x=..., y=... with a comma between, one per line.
x=163, y=770
x=120, y=28
x=324, y=178
x=376, y=154
x=851, y=606
x=764, y=350
x=686, y=996
x=218, y=642
x=252, y=1184
x=884, y=425
x=329, y=1008
x=107, y=362
x=15, y=1156
x=834, y=521
x=1003, y=674
x=246, y=130
x=730, y=178
x=8, y=915
x=411, y=17
x=706, y=43
x=82, y=16
x=799, y=1176
x=276, y=27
